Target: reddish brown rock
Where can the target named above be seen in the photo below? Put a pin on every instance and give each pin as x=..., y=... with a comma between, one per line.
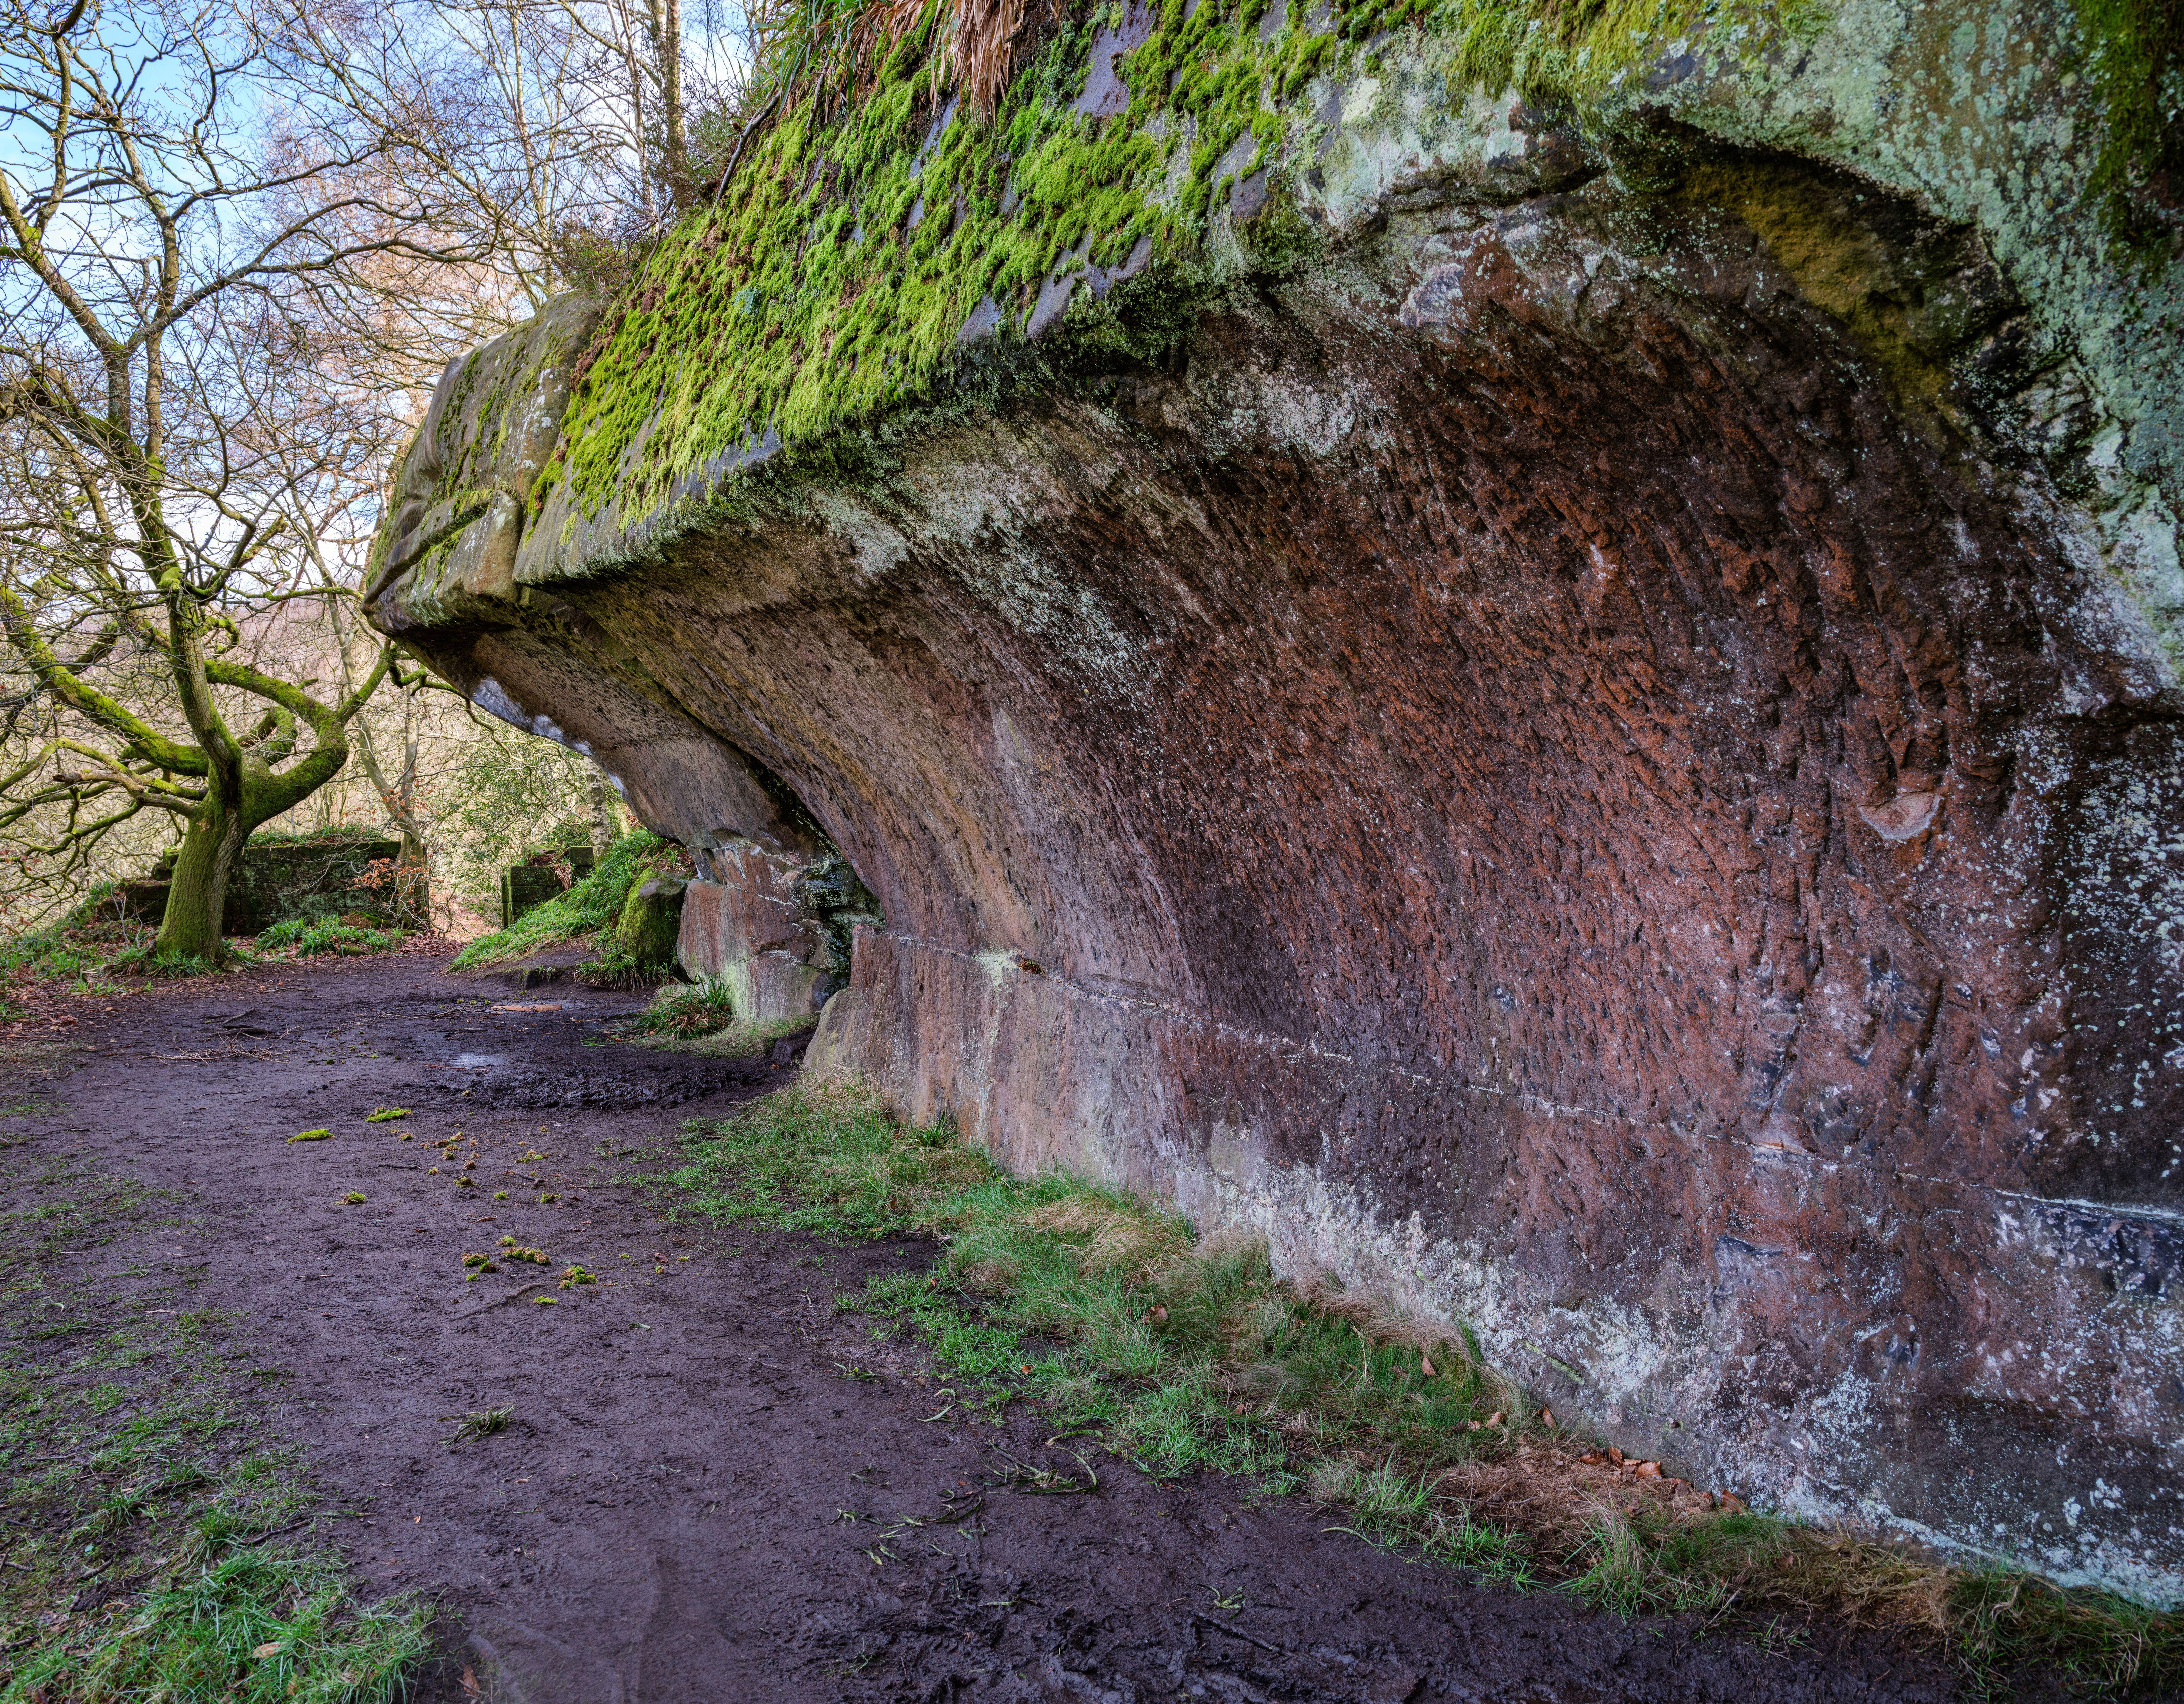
x=1544, y=766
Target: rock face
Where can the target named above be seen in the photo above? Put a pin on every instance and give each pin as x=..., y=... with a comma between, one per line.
x=1575, y=713
x=276, y=879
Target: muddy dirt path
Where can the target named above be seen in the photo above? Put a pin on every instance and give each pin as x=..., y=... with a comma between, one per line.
x=697, y=1501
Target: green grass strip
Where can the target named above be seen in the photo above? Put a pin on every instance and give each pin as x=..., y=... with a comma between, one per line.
x=1187, y=1354
x=130, y=1459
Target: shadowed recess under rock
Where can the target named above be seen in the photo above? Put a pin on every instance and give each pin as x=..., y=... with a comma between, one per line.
x=1571, y=712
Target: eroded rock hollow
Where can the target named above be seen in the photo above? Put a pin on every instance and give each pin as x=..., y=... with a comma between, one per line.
x=1573, y=711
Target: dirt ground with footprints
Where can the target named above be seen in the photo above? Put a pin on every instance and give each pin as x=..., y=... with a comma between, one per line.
x=713, y=1486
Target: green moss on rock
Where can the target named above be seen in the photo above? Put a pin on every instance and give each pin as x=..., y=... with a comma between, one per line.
x=837, y=278
x=651, y=918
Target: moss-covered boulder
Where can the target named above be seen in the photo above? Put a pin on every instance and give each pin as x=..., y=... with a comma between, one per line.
x=651, y=921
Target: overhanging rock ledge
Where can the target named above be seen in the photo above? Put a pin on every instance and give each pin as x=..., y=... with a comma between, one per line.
x=1572, y=710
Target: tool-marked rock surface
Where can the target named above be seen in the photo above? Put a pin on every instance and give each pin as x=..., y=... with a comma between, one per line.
x=1570, y=707
x=713, y=1487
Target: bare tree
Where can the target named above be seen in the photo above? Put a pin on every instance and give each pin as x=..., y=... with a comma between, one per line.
x=238, y=240
x=184, y=192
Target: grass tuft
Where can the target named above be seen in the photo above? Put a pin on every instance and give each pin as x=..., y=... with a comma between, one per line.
x=700, y=1009
x=482, y=1424
x=320, y=937
x=1187, y=1354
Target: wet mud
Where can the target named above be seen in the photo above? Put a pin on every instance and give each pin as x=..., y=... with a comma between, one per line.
x=714, y=1486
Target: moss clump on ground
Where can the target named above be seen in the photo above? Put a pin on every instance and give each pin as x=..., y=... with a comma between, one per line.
x=1186, y=1354
x=590, y=904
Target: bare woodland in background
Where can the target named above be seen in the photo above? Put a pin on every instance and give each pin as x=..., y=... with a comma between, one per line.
x=238, y=244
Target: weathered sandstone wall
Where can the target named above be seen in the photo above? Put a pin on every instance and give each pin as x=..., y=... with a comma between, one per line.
x=1573, y=710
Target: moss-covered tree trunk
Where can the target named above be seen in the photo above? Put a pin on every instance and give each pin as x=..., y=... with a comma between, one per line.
x=196, y=895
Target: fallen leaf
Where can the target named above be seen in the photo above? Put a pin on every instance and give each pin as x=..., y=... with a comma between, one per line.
x=1426, y=1366
x=270, y=1648
x=1648, y=1470
x=1496, y=1418
x=1546, y=1416
x=1732, y=1503
x=1615, y=1454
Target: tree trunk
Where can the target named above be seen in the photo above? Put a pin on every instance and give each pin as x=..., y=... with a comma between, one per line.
x=670, y=40
x=602, y=824
x=197, y=898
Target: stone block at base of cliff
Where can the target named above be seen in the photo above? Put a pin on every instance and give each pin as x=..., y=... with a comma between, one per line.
x=774, y=988
x=753, y=910
x=651, y=919
x=746, y=932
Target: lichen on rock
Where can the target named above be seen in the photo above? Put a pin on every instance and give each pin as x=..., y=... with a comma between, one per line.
x=1538, y=652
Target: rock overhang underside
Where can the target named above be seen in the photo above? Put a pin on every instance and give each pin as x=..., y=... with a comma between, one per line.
x=1569, y=705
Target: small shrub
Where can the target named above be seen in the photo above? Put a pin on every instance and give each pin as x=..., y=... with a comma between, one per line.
x=699, y=1009
x=322, y=936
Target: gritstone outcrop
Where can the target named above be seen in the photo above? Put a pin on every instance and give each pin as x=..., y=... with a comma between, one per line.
x=1567, y=700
